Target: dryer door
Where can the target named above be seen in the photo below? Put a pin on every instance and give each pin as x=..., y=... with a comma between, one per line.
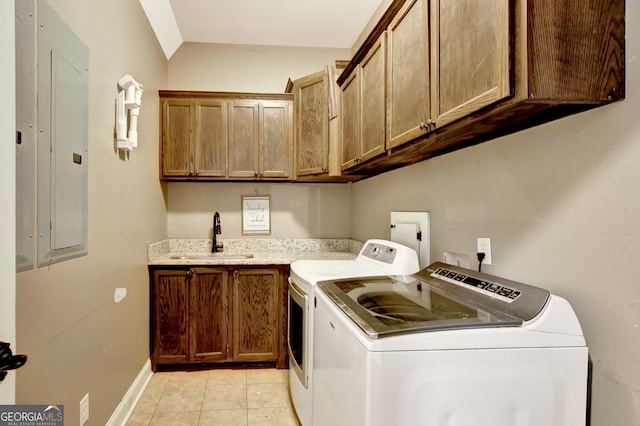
x=298, y=308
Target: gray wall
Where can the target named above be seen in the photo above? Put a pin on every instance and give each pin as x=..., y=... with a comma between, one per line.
x=245, y=68
x=297, y=211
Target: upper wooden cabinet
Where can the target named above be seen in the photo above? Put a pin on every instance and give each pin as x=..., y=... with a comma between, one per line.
x=408, y=89
x=194, y=135
x=260, y=139
x=210, y=144
x=311, y=100
x=441, y=69
x=178, y=122
x=243, y=139
x=317, y=118
x=373, y=110
x=460, y=72
x=351, y=120
x=364, y=109
x=275, y=139
x=469, y=71
x=230, y=136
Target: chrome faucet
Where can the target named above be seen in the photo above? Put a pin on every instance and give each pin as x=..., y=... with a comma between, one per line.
x=217, y=229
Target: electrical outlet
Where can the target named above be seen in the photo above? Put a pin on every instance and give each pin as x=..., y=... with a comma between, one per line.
x=84, y=409
x=484, y=246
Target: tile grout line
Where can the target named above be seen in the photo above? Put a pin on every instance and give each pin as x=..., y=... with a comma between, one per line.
x=246, y=397
x=155, y=407
x=204, y=393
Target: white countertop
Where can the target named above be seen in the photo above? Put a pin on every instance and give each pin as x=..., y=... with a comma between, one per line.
x=264, y=251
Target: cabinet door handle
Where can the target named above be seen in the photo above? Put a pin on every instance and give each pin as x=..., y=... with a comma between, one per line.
x=428, y=126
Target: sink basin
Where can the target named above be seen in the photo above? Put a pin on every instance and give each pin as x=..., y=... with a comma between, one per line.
x=212, y=256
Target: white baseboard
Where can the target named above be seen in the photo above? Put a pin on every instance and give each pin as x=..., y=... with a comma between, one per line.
x=130, y=399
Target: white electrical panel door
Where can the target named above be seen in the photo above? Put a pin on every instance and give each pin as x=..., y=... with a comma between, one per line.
x=68, y=138
x=63, y=101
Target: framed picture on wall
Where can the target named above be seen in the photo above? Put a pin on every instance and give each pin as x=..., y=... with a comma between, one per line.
x=256, y=215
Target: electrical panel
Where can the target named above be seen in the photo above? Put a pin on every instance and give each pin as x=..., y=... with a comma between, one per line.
x=62, y=139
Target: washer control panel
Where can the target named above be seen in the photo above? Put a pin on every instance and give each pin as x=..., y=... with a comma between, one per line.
x=488, y=288
x=380, y=252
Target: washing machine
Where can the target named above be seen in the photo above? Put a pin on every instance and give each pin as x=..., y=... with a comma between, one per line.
x=446, y=347
x=376, y=258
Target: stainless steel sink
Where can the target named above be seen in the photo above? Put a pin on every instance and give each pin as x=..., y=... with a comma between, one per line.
x=212, y=256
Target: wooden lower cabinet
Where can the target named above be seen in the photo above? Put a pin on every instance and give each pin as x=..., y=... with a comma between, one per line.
x=255, y=314
x=170, y=317
x=218, y=315
x=209, y=307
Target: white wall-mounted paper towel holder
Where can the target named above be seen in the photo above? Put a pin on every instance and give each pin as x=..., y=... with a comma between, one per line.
x=127, y=110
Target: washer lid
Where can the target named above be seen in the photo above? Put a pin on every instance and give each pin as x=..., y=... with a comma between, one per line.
x=383, y=306
x=441, y=297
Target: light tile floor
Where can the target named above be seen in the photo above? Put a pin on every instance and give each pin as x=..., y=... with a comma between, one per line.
x=229, y=397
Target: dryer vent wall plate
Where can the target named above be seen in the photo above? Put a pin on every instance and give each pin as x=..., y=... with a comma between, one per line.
x=413, y=229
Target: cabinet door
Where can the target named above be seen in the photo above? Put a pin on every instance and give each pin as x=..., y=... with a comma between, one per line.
x=470, y=56
x=177, y=137
x=351, y=124
x=209, y=321
x=312, y=124
x=372, y=75
x=211, y=138
x=255, y=314
x=408, y=74
x=243, y=139
x=170, y=316
x=276, y=139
